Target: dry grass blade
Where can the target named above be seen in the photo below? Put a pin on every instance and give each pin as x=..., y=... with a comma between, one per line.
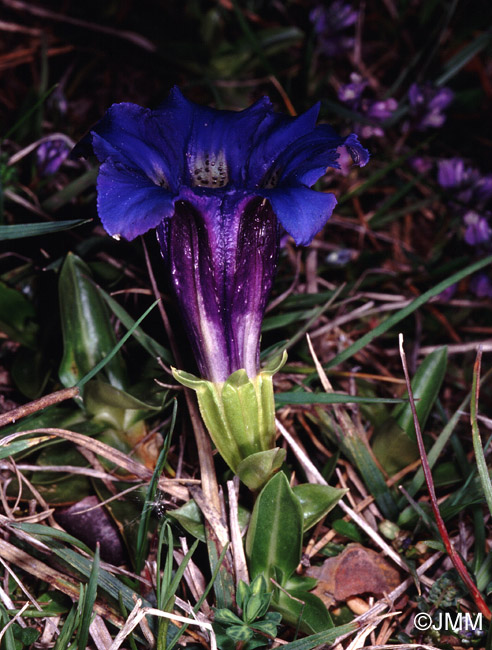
x=139, y=612
x=21, y=586
x=13, y=620
x=110, y=453
x=54, y=577
x=240, y=566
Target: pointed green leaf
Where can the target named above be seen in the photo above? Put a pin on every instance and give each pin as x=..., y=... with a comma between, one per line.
x=303, y=609
x=316, y=501
x=88, y=335
x=274, y=536
x=394, y=442
x=255, y=470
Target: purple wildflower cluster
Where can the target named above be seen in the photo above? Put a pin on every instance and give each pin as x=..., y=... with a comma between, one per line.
x=470, y=193
x=427, y=105
x=375, y=111
x=330, y=23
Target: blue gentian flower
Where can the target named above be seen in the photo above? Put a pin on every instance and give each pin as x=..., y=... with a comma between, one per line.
x=218, y=187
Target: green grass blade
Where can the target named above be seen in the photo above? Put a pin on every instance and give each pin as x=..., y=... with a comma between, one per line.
x=302, y=397
x=20, y=231
x=116, y=349
x=28, y=113
x=459, y=60
x=154, y=348
x=8, y=641
x=52, y=533
x=143, y=527
x=321, y=638
x=70, y=191
x=88, y=604
x=196, y=608
x=355, y=447
x=482, y=468
x=66, y=633
x=406, y=311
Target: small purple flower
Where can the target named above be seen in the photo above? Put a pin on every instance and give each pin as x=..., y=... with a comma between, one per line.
x=377, y=111
x=451, y=173
x=329, y=24
x=218, y=186
x=427, y=105
x=481, y=285
x=477, y=230
x=448, y=293
x=380, y=110
x=420, y=165
x=50, y=156
x=470, y=187
x=482, y=189
x=351, y=93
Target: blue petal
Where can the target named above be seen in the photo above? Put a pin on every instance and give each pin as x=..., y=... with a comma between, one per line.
x=307, y=159
x=141, y=139
x=301, y=211
x=275, y=134
x=226, y=136
x=128, y=203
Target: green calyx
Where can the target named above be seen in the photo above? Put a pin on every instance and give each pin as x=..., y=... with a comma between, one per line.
x=240, y=417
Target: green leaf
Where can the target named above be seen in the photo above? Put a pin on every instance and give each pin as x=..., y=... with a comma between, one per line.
x=226, y=617
x=321, y=638
x=394, y=442
x=17, y=316
x=88, y=335
x=70, y=191
x=316, y=501
x=30, y=371
x=88, y=604
x=190, y=517
x=300, y=608
x=113, y=406
x=353, y=443
x=239, y=633
x=20, y=231
x=255, y=470
x=274, y=538
x=303, y=397
x=50, y=533
x=426, y=385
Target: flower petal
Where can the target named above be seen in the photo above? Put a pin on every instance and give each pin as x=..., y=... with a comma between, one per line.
x=307, y=159
x=301, y=211
x=221, y=137
x=128, y=203
x=145, y=140
x=275, y=134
